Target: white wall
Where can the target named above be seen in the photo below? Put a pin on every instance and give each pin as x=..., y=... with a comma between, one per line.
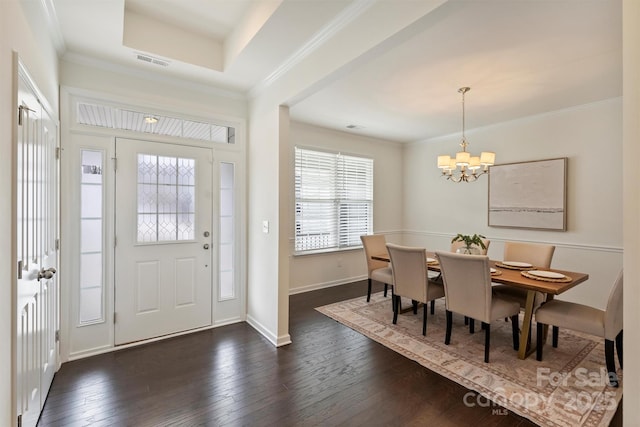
x=154, y=91
x=18, y=20
x=159, y=95
x=310, y=272
x=589, y=135
x=267, y=281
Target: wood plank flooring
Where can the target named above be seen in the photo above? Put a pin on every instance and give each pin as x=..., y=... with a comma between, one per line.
x=232, y=376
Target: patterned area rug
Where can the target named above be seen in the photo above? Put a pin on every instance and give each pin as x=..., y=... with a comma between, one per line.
x=568, y=388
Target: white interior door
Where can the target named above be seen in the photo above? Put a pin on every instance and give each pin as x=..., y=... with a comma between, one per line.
x=36, y=234
x=163, y=250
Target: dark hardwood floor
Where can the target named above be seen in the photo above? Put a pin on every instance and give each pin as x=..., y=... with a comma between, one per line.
x=231, y=375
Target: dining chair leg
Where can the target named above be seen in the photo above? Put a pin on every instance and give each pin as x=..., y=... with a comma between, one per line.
x=487, y=341
x=433, y=307
x=393, y=300
x=369, y=290
x=619, y=348
x=415, y=306
x=466, y=320
x=471, y=325
x=539, y=343
x=515, y=330
x=424, y=321
x=447, y=335
x=395, y=308
x=611, y=364
x=554, y=337
x=385, y=289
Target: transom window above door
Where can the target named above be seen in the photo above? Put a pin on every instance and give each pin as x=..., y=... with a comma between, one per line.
x=107, y=116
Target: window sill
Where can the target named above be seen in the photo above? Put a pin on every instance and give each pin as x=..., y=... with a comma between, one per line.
x=326, y=251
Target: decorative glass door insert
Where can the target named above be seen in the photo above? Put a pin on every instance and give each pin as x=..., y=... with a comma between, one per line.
x=166, y=198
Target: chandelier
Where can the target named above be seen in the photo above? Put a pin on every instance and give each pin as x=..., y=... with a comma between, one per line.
x=470, y=166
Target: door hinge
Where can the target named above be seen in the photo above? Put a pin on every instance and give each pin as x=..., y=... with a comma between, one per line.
x=115, y=241
x=21, y=109
x=114, y=317
x=20, y=420
x=57, y=244
x=19, y=269
x=58, y=335
x=58, y=152
x=115, y=163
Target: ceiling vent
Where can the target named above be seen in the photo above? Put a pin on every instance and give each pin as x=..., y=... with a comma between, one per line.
x=151, y=59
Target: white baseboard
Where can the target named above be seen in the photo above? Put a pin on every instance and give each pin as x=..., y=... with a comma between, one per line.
x=277, y=341
x=316, y=286
x=109, y=348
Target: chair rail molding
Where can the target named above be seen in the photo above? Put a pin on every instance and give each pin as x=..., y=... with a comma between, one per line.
x=579, y=246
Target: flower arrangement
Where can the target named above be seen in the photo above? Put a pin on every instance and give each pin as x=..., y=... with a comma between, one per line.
x=470, y=241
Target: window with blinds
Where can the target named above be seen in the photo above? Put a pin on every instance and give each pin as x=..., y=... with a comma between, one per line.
x=334, y=200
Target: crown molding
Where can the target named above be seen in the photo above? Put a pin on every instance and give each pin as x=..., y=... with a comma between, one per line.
x=54, y=25
x=337, y=24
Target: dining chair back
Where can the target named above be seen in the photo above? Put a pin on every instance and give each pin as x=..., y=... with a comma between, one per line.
x=536, y=254
x=539, y=255
x=467, y=286
x=409, y=267
x=375, y=244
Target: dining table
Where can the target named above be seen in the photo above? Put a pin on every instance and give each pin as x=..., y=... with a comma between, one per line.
x=513, y=276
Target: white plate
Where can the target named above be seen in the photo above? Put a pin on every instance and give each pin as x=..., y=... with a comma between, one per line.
x=431, y=259
x=517, y=264
x=546, y=274
x=493, y=270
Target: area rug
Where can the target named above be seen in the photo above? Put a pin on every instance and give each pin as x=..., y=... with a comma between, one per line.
x=567, y=388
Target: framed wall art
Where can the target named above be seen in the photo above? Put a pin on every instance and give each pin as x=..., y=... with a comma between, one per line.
x=529, y=195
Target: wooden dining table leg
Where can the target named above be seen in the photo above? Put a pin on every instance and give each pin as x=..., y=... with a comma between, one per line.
x=525, y=336
x=545, y=329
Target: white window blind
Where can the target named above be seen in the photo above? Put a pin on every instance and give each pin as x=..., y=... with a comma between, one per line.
x=334, y=200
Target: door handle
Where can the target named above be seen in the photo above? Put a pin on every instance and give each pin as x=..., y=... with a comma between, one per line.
x=206, y=246
x=46, y=273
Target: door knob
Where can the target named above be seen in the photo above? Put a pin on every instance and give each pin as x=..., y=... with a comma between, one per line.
x=206, y=246
x=46, y=273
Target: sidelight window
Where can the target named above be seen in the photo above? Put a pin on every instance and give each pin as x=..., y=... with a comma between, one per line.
x=91, y=237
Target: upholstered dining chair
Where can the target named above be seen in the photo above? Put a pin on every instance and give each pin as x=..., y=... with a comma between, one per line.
x=467, y=288
x=538, y=255
x=377, y=270
x=605, y=323
x=454, y=248
x=409, y=266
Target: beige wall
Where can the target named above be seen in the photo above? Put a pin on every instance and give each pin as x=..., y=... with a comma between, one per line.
x=589, y=135
x=415, y=206
x=631, y=150
x=310, y=272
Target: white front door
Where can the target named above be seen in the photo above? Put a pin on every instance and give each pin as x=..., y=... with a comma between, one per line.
x=163, y=276
x=37, y=303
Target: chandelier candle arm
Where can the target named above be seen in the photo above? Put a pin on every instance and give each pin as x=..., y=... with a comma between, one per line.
x=469, y=166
